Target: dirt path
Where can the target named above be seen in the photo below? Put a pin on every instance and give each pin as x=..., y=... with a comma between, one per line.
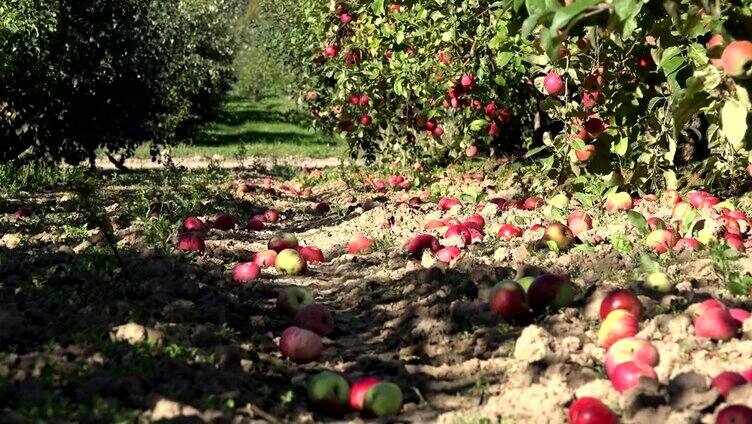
x=199, y=162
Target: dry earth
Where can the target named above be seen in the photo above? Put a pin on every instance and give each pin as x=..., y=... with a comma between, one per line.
x=168, y=336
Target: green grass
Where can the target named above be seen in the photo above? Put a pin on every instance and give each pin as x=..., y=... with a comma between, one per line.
x=246, y=128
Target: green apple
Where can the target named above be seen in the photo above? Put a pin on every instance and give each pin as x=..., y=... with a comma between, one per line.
x=291, y=262
x=659, y=282
x=384, y=399
x=329, y=391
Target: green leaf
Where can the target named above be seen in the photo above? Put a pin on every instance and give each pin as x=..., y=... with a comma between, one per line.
x=565, y=15
x=378, y=7
x=639, y=221
x=478, y=124
x=649, y=265
x=734, y=122
x=620, y=147
x=534, y=151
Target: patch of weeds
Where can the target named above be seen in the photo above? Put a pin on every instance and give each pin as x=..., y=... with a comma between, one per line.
x=76, y=232
x=725, y=263
x=385, y=244
x=287, y=397
x=175, y=351
x=479, y=420
x=480, y=388
x=621, y=244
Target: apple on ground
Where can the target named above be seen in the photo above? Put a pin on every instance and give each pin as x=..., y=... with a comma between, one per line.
x=458, y=233
x=661, y=240
x=559, y=234
x=281, y=241
x=191, y=242
x=559, y=201
x=383, y=399
x=321, y=207
x=476, y=236
x=735, y=241
x=579, y=221
x=726, y=381
x=619, y=201
x=687, y=243
x=655, y=223
x=224, y=222
x=271, y=215
x=621, y=299
x=702, y=199
x=420, y=243
x=245, y=272
x=192, y=223
x=291, y=299
x=23, y=213
x=659, y=282
x=311, y=254
x=507, y=299
x=532, y=203
x=550, y=291
x=447, y=203
x=630, y=349
x=588, y=410
x=360, y=244
x=300, y=345
x=475, y=221
x=716, y=324
x=619, y=324
x=508, y=232
x=265, y=258
x=290, y=262
x=734, y=414
x=316, y=318
x=359, y=389
x=433, y=224
x=328, y=392
x=448, y=254
x=697, y=309
x=255, y=224
x=739, y=315
x=670, y=197
x=627, y=375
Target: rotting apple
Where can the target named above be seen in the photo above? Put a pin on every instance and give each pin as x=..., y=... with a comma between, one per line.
x=316, y=318
x=687, y=243
x=559, y=234
x=300, y=345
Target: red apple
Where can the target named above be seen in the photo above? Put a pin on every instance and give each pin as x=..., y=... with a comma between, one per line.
x=291, y=299
x=316, y=318
x=588, y=410
x=224, y=222
x=553, y=84
x=359, y=389
x=265, y=259
x=507, y=299
x=191, y=242
x=448, y=254
x=434, y=223
x=717, y=324
x=697, y=309
x=670, y=197
x=508, y=232
x=330, y=51
x=311, y=254
x=300, y=345
x=579, y=221
x=23, y=213
x=627, y=375
x=533, y=203
x=475, y=221
x=245, y=272
x=621, y=299
x=471, y=151
x=661, y=240
x=739, y=315
x=701, y=199
x=255, y=224
x=271, y=215
x=655, y=223
x=459, y=232
x=735, y=241
x=467, y=81
x=687, y=243
x=360, y=244
x=447, y=203
x=366, y=120
x=619, y=324
x=421, y=242
x=726, y=381
x=734, y=414
x=737, y=58
x=192, y=223
x=282, y=241
x=550, y=290
x=630, y=349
